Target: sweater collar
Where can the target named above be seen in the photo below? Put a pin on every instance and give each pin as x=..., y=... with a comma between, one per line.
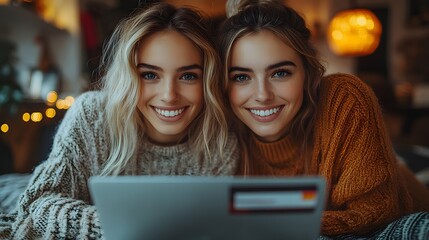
x=278, y=152
x=173, y=150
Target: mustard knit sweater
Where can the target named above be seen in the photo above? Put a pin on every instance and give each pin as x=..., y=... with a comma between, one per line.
x=353, y=152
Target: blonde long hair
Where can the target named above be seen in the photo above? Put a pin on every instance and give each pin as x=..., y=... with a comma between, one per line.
x=251, y=16
x=207, y=134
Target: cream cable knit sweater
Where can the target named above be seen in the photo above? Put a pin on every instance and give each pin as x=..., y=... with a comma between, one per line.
x=57, y=204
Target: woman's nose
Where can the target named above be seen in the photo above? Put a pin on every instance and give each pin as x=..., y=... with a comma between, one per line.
x=264, y=91
x=169, y=91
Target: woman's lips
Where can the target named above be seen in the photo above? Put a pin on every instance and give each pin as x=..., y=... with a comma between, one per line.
x=170, y=114
x=265, y=114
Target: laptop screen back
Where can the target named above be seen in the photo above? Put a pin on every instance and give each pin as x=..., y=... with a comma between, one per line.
x=190, y=207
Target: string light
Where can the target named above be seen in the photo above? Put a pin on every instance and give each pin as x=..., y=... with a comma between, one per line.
x=68, y=102
x=36, y=117
x=60, y=104
x=50, y=113
x=26, y=117
x=52, y=97
x=4, y=128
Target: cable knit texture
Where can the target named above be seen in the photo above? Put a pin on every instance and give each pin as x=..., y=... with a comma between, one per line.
x=57, y=204
x=353, y=152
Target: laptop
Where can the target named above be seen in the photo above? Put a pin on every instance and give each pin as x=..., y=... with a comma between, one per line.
x=207, y=208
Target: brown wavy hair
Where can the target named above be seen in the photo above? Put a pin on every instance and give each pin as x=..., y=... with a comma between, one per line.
x=247, y=17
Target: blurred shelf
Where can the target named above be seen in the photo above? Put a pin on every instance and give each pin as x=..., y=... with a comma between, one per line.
x=15, y=16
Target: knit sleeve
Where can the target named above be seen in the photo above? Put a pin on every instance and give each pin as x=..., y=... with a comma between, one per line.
x=56, y=203
x=365, y=193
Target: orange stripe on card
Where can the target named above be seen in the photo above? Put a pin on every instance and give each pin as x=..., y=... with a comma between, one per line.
x=309, y=195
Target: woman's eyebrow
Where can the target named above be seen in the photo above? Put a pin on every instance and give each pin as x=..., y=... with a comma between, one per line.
x=270, y=67
x=181, y=69
x=145, y=65
x=281, y=64
x=240, y=69
x=190, y=67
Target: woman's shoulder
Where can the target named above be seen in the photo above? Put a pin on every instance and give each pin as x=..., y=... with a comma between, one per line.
x=342, y=88
x=91, y=100
x=344, y=80
x=347, y=94
x=89, y=104
x=86, y=112
x=340, y=82
x=82, y=131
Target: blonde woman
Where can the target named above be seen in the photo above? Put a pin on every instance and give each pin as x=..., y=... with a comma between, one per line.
x=159, y=113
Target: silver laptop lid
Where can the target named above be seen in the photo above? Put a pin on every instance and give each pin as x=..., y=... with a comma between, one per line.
x=191, y=207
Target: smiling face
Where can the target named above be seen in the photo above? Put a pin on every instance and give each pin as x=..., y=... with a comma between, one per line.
x=266, y=84
x=171, y=74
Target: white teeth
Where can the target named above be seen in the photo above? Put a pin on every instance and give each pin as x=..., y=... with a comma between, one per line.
x=167, y=113
x=264, y=113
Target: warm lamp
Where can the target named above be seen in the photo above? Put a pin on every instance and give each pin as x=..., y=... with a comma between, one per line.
x=354, y=32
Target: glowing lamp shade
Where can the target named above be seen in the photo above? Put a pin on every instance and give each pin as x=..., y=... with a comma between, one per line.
x=354, y=32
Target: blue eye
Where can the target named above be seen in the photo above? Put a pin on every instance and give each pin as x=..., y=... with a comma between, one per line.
x=240, y=78
x=149, y=75
x=188, y=77
x=281, y=74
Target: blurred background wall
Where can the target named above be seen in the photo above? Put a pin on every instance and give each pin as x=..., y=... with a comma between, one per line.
x=50, y=49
